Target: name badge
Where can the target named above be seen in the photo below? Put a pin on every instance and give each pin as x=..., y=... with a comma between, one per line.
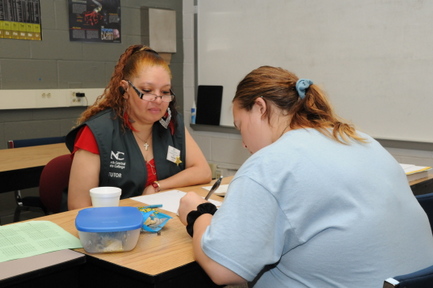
x=173, y=155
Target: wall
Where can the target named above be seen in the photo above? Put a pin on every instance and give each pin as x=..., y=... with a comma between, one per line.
x=225, y=149
x=57, y=63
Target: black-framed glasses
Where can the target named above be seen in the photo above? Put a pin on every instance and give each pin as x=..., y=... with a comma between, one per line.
x=152, y=97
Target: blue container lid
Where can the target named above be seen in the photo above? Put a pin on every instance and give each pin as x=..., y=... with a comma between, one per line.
x=108, y=219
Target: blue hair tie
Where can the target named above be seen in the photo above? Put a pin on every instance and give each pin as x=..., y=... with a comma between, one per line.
x=302, y=86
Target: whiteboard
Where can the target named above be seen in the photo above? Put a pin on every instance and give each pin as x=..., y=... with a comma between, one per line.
x=373, y=58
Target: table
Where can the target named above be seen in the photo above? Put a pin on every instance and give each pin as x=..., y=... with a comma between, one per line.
x=39, y=270
x=20, y=168
x=422, y=186
x=164, y=260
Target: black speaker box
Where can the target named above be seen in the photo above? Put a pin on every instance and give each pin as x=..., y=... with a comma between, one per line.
x=209, y=100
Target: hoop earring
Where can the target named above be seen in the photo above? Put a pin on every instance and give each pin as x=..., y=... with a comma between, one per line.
x=166, y=121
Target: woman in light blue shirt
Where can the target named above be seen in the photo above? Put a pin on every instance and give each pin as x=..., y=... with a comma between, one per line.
x=318, y=204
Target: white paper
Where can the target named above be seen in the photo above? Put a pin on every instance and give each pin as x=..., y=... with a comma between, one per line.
x=221, y=191
x=168, y=199
x=411, y=169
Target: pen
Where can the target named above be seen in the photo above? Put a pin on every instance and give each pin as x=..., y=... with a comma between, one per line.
x=214, y=188
x=153, y=206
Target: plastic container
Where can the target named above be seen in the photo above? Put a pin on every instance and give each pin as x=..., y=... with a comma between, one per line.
x=109, y=229
x=105, y=196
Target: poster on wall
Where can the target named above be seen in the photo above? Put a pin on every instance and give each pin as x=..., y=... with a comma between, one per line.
x=94, y=21
x=20, y=19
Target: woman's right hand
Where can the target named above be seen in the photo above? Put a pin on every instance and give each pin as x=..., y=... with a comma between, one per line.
x=188, y=203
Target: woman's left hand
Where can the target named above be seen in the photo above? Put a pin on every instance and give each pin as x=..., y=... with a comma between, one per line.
x=188, y=203
x=149, y=190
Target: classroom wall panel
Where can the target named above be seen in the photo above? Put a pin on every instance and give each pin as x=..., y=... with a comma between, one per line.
x=17, y=52
x=35, y=123
x=28, y=74
x=56, y=45
x=83, y=74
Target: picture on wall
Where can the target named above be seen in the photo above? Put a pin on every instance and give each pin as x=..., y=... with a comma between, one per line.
x=94, y=21
x=20, y=19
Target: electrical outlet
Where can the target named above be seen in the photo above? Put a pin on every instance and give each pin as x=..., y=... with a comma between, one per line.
x=75, y=101
x=46, y=95
x=46, y=98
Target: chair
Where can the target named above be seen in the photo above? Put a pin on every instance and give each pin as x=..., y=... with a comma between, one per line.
x=426, y=202
x=35, y=141
x=24, y=203
x=54, y=180
x=420, y=279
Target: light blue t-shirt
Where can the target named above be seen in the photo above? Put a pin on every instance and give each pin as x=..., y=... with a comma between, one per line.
x=308, y=211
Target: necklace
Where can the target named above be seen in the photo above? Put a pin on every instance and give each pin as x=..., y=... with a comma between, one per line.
x=146, y=145
x=152, y=168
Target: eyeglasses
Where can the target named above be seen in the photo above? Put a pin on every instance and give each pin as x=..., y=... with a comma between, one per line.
x=152, y=97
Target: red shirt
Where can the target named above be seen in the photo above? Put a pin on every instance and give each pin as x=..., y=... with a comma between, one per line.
x=86, y=141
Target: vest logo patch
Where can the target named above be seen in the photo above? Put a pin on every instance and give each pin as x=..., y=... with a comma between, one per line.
x=116, y=163
x=114, y=175
x=118, y=155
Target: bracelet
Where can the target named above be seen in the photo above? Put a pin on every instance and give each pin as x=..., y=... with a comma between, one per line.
x=156, y=185
x=204, y=208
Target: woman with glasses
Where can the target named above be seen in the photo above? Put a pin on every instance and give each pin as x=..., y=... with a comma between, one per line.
x=132, y=137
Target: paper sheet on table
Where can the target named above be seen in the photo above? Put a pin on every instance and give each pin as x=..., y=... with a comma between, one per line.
x=411, y=169
x=221, y=191
x=168, y=199
x=31, y=238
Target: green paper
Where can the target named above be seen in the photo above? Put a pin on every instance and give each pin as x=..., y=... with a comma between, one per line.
x=33, y=238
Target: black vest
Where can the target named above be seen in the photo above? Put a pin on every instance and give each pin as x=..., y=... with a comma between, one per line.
x=122, y=164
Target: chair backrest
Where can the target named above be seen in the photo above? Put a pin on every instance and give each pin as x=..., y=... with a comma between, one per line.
x=420, y=279
x=54, y=180
x=35, y=141
x=426, y=202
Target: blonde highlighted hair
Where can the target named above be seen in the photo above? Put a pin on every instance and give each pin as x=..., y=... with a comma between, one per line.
x=128, y=66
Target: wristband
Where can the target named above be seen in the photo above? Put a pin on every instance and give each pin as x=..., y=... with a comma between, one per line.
x=204, y=208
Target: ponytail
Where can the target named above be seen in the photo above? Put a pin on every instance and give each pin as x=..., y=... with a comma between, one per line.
x=300, y=98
